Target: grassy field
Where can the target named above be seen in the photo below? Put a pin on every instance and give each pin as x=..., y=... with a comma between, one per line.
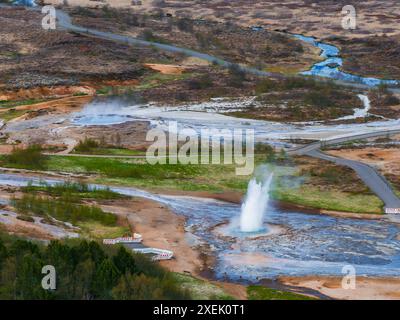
x=75, y=190
x=66, y=202
x=290, y=185
x=136, y=172
x=95, y=230
x=112, y=152
x=263, y=293
x=200, y=289
x=330, y=200
x=15, y=103
x=8, y=108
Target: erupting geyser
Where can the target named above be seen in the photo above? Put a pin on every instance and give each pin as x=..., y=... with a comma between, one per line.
x=255, y=204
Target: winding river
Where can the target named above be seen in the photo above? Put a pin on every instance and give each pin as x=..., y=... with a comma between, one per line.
x=330, y=67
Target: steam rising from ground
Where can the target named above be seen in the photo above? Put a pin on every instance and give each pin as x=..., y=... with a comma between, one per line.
x=110, y=105
x=109, y=110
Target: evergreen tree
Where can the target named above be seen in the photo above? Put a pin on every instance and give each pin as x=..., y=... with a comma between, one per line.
x=124, y=261
x=105, y=278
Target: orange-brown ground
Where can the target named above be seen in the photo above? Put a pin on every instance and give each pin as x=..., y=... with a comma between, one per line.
x=385, y=159
x=366, y=288
x=166, y=68
x=66, y=104
x=45, y=92
x=160, y=228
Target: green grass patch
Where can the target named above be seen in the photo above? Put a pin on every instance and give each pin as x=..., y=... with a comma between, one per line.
x=106, y=151
x=105, y=90
x=12, y=114
x=137, y=172
x=12, y=104
x=200, y=289
x=212, y=178
x=94, y=147
x=112, y=152
x=263, y=293
x=330, y=200
x=74, y=190
x=96, y=230
x=28, y=158
x=63, y=208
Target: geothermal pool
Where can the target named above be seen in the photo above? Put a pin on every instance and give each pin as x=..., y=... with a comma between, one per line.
x=300, y=244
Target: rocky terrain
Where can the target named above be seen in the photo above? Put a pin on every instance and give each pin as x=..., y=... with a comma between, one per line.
x=264, y=49
x=31, y=57
x=377, y=20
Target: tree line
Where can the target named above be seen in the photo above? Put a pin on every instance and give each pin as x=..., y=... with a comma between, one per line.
x=84, y=270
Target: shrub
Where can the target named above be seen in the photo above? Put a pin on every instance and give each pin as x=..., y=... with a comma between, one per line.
x=147, y=35
x=185, y=25
x=203, y=82
x=204, y=40
x=87, y=145
x=390, y=100
x=267, y=150
x=142, y=287
x=30, y=157
x=237, y=75
x=78, y=189
x=82, y=11
x=267, y=85
x=63, y=208
x=25, y=218
x=318, y=98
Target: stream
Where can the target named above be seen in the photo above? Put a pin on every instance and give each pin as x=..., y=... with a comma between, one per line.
x=330, y=67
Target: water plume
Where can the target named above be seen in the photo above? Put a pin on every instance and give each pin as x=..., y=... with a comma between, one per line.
x=255, y=204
